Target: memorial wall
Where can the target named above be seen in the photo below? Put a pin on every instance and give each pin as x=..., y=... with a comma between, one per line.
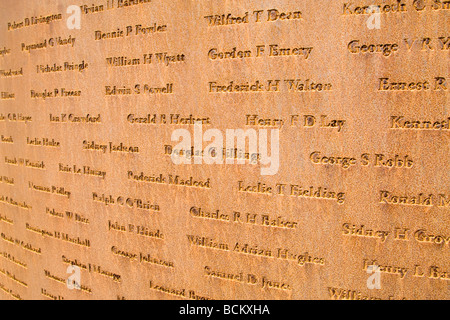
x=209, y=149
